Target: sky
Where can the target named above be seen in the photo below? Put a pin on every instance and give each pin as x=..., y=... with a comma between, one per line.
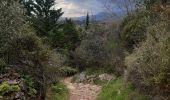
x=77, y=8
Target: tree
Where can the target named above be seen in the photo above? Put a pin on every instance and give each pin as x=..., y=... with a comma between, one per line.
x=149, y=3
x=133, y=28
x=22, y=50
x=66, y=38
x=148, y=65
x=94, y=49
x=42, y=15
x=87, y=21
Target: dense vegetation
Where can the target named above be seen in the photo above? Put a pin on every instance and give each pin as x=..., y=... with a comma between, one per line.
x=24, y=51
x=117, y=90
x=57, y=92
x=148, y=64
x=37, y=49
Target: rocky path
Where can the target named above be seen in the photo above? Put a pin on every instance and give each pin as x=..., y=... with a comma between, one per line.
x=81, y=91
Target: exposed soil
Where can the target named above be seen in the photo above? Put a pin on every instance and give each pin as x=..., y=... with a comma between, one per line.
x=81, y=91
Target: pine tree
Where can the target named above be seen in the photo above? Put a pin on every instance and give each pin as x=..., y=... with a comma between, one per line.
x=87, y=21
x=42, y=15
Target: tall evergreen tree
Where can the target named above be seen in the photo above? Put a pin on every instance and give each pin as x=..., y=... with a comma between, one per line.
x=42, y=15
x=87, y=21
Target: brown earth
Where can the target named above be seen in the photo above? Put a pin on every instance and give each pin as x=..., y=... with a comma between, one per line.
x=81, y=91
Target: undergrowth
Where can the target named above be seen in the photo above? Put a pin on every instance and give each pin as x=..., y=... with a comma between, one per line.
x=117, y=90
x=57, y=92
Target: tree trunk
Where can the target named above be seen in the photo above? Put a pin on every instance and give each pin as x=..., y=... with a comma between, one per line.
x=42, y=93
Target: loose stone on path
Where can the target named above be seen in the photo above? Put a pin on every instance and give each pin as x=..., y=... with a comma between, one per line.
x=80, y=91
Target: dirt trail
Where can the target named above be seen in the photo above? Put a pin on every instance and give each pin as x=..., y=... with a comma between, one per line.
x=81, y=91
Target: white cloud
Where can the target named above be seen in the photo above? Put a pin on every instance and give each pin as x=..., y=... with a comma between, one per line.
x=76, y=8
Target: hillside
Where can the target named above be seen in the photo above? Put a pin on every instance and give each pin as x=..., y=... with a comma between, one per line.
x=46, y=53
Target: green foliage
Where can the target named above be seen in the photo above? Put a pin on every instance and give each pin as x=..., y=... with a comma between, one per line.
x=65, y=38
x=164, y=75
x=97, y=71
x=57, y=92
x=87, y=21
x=149, y=3
x=22, y=50
x=94, y=49
x=44, y=18
x=7, y=88
x=116, y=90
x=2, y=65
x=68, y=70
x=30, y=85
x=133, y=29
x=149, y=64
x=42, y=15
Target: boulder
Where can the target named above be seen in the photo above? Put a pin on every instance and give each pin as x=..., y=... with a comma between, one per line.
x=106, y=77
x=80, y=77
x=84, y=78
x=13, y=82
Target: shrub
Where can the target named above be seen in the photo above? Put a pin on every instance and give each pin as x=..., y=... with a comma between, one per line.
x=149, y=64
x=95, y=48
x=30, y=85
x=22, y=50
x=65, y=37
x=133, y=29
x=116, y=90
x=57, y=92
x=68, y=71
x=2, y=65
x=6, y=88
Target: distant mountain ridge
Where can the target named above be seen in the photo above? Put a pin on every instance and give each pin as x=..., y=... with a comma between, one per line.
x=103, y=16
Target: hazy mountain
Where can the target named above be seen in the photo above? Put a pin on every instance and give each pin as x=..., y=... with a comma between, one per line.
x=100, y=17
x=103, y=16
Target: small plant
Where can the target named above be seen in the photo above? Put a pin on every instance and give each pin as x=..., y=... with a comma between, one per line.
x=30, y=85
x=57, y=88
x=2, y=65
x=68, y=70
x=5, y=88
x=117, y=90
x=57, y=91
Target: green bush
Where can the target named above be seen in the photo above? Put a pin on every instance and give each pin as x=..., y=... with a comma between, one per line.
x=57, y=91
x=31, y=91
x=68, y=70
x=133, y=29
x=149, y=64
x=2, y=65
x=65, y=37
x=7, y=88
x=117, y=90
x=23, y=50
x=95, y=48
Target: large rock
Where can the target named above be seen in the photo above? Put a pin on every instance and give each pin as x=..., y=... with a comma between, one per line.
x=84, y=78
x=80, y=77
x=13, y=82
x=106, y=77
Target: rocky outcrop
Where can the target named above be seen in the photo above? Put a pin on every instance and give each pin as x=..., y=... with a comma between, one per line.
x=106, y=77
x=13, y=87
x=84, y=78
